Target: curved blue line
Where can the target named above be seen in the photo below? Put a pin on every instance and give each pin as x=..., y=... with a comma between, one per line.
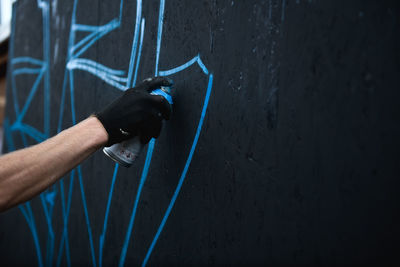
x=27, y=71
x=186, y=65
x=108, y=78
x=183, y=175
x=85, y=61
x=30, y=60
x=143, y=177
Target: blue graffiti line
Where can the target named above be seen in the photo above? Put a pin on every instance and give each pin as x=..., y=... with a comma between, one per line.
x=86, y=215
x=103, y=74
x=65, y=213
x=184, y=172
x=34, y=232
x=159, y=34
x=134, y=42
x=139, y=53
x=149, y=149
x=119, y=79
x=41, y=70
x=197, y=60
x=113, y=77
x=103, y=234
x=137, y=199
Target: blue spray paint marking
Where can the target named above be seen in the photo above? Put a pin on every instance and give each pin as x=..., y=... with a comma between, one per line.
x=183, y=175
x=34, y=233
x=103, y=235
x=140, y=51
x=42, y=73
x=86, y=215
x=137, y=199
x=149, y=149
x=196, y=59
x=134, y=42
x=98, y=70
x=65, y=213
x=160, y=92
x=50, y=228
x=159, y=34
x=151, y=145
x=115, y=78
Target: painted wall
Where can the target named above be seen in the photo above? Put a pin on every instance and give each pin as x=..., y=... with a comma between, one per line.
x=283, y=146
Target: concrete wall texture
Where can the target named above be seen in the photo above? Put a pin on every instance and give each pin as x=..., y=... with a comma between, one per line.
x=282, y=149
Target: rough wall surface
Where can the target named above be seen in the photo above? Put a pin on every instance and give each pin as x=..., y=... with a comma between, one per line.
x=283, y=146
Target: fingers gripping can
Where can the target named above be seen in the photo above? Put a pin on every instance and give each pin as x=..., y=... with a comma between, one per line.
x=126, y=152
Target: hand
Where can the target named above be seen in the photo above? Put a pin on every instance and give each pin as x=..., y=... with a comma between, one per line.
x=136, y=112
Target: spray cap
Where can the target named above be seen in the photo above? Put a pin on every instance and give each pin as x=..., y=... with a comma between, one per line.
x=164, y=91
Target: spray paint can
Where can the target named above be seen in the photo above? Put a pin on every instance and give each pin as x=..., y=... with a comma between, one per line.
x=126, y=152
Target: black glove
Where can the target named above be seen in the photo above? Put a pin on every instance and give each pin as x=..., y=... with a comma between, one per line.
x=136, y=112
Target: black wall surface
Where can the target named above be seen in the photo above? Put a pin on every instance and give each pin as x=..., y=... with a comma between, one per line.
x=296, y=159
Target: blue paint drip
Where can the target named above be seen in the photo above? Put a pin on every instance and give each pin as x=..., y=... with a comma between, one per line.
x=27, y=71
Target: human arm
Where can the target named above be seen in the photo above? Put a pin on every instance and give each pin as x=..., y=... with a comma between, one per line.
x=27, y=172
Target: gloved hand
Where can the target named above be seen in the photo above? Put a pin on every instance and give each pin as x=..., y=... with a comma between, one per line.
x=136, y=112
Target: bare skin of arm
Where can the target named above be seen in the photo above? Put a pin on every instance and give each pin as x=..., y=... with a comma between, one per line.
x=27, y=172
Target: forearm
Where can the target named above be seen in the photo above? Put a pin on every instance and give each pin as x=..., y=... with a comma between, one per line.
x=27, y=172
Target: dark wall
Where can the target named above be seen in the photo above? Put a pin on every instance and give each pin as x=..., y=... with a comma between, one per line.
x=283, y=145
